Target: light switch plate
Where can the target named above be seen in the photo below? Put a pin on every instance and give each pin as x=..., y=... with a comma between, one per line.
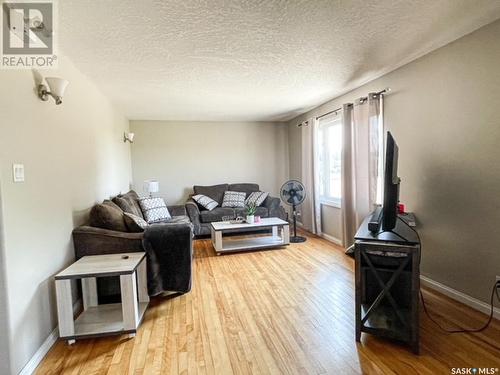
x=18, y=172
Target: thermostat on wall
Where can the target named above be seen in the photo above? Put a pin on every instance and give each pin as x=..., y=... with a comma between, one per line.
x=18, y=172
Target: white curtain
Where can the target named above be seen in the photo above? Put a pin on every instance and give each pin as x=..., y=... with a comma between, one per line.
x=348, y=209
x=310, y=209
x=362, y=124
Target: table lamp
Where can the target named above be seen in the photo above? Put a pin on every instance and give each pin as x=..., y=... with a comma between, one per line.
x=151, y=186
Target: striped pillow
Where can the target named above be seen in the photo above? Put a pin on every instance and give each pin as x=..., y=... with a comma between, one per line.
x=257, y=197
x=205, y=201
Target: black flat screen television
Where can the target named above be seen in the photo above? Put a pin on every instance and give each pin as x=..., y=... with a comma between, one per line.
x=391, y=185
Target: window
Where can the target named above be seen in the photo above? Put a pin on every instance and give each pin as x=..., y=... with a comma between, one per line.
x=330, y=159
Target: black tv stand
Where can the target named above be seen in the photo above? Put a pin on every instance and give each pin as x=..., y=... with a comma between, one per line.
x=400, y=234
x=387, y=276
x=393, y=232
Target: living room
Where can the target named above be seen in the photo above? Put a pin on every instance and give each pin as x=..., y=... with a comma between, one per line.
x=170, y=99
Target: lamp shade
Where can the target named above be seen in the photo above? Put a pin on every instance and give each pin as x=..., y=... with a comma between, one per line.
x=57, y=86
x=151, y=186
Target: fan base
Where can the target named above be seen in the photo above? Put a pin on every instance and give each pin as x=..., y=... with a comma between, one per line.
x=296, y=239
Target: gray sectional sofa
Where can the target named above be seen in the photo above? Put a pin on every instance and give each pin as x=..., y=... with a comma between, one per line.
x=201, y=218
x=168, y=245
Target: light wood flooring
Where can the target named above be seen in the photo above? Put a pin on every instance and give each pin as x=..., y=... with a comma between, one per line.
x=285, y=311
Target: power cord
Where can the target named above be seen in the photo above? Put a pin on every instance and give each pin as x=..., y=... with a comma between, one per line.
x=494, y=291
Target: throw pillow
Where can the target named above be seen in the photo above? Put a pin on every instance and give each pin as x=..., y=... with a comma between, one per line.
x=257, y=197
x=205, y=202
x=233, y=199
x=107, y=215
x=154, y=209
x=216, y=192
x=128, y=203
x=135, y=223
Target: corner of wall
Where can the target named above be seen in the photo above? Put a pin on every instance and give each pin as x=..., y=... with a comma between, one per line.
x=4, y=311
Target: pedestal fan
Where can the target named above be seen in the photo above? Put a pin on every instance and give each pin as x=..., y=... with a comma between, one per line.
x=293, y=194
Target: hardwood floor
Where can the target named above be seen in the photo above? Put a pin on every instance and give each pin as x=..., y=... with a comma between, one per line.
x=285, y=311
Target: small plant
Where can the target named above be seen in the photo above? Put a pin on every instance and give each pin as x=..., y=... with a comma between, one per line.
x=251, y=208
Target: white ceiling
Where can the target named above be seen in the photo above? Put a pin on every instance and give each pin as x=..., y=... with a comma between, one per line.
x=256, y=60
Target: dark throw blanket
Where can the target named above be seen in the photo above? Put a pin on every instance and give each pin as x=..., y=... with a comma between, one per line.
x=169, y=255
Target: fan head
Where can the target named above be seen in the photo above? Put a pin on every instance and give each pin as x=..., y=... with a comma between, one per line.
x=293, y=193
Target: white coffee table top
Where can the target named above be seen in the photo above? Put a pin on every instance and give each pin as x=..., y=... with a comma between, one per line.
x=102, y=265
x=264, y=222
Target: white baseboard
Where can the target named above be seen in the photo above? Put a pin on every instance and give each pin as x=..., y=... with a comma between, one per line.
x=42, y=351
x=327, y=237
x=460, y=297
x=335, y=240
x=39, y=355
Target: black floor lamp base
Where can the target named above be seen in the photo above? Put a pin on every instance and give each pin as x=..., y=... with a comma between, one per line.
x=297, y=239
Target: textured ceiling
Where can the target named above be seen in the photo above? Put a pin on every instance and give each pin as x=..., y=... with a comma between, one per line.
x=253, y=60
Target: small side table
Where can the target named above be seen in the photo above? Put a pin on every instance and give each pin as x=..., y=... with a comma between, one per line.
x=99, y=320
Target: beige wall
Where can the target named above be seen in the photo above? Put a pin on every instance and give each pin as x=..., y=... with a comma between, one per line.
x=74, y=156
x=183, y=154
x=4, y=323
x=444, y=114
x=331, y=221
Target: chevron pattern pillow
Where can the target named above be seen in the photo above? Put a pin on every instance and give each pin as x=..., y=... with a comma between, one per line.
x=257, y=197
x=205, y=201
x=234, y=199
x=154, y=209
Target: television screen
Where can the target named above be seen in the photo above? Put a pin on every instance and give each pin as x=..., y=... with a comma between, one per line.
x=391, y=185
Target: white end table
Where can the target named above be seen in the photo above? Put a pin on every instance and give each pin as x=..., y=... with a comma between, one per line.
x=98, y=320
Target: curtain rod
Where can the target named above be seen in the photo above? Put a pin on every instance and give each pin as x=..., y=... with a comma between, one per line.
x=363, y=98
x=388, y=89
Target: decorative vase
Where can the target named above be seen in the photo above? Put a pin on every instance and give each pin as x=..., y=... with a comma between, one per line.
x=250, y=219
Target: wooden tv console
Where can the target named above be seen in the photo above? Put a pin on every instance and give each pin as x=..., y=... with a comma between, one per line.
x=387, y=279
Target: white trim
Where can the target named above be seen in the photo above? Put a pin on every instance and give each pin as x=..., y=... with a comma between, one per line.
x=460, y=297
x=330, y=202
x=30, y=367
x=335, y=240
x=39, y=355
x=327, y=237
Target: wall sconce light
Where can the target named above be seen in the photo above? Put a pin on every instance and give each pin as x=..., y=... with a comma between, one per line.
x=57, y=87
x=128, y=137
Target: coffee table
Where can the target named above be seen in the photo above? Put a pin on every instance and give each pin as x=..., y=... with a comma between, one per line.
x=280, y=235
x=98, y=320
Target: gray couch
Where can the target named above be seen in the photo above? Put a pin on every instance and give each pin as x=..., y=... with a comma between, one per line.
x=168, y=245
x=201, y=218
